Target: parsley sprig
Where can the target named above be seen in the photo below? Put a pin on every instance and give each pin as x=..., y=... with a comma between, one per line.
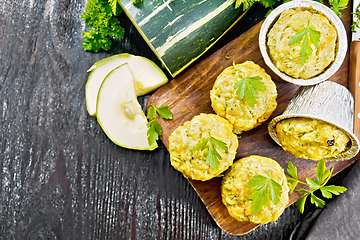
x=213, y=156
x=338, y=5
x=101, y=17
x=267, y=188
x=154, y=128
x=335, y=5
x=304, y=36
x=356, y=21
x=247, y=87
x=323, y=177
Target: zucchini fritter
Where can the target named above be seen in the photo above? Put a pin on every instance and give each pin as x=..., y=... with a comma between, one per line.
x=235, y=194
x=192, y=164
x=227, y=104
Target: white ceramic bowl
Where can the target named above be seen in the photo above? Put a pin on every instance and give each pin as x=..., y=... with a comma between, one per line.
x=342, y=43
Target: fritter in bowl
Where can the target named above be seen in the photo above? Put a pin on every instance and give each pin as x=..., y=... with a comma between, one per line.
x=286, y=56
x=311, y=138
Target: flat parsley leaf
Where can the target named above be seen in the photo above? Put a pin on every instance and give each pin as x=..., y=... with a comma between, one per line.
x=247, y=87
x=323, y=175
x=321, y=172
x=305, y=34
x=300, y=204
x=213, y=156
x=154, y=128
x=154, y=131
x=164, y=112
x=292, y=179
x=267, y=189
x=316, y=200
x=327, y=191
x=151, y=112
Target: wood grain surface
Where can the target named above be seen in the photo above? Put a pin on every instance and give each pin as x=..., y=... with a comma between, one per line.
x=60, y=176
x=188, y=95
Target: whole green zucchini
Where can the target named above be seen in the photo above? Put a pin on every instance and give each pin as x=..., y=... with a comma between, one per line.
x=180, y=31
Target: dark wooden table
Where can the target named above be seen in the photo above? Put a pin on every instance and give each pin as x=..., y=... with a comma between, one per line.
x=60, y=176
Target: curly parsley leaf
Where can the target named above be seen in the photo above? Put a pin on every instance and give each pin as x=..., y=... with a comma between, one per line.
x=213, y=156
x=305, y=35
x=246, y=3
x=154, y=128
x=101, y=17
x=267, y=189
x=95, y=41
x=323, y=175
x=114, y=6
x=247, y=87
x=268, y=3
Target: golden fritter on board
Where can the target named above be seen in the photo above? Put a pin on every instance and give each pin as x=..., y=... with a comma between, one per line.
x=192, y=164
x=226, y=103
x=235, y=194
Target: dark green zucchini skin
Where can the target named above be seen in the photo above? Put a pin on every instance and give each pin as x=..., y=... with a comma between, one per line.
x=180, y=31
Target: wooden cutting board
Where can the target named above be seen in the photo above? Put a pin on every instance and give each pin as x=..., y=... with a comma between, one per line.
x=189, y=94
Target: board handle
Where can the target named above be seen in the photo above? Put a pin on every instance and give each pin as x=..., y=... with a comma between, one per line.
x=354, y=83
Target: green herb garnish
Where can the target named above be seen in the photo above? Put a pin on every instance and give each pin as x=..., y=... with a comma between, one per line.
x=247, y=87
x=356, y=21
x=267, y=188
x=335, y=5
x=304, y=36
x=154, y=128
x=323, y=177
x=101, y=17
x=213, y=156
x=338, y=5
x=246, y=3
